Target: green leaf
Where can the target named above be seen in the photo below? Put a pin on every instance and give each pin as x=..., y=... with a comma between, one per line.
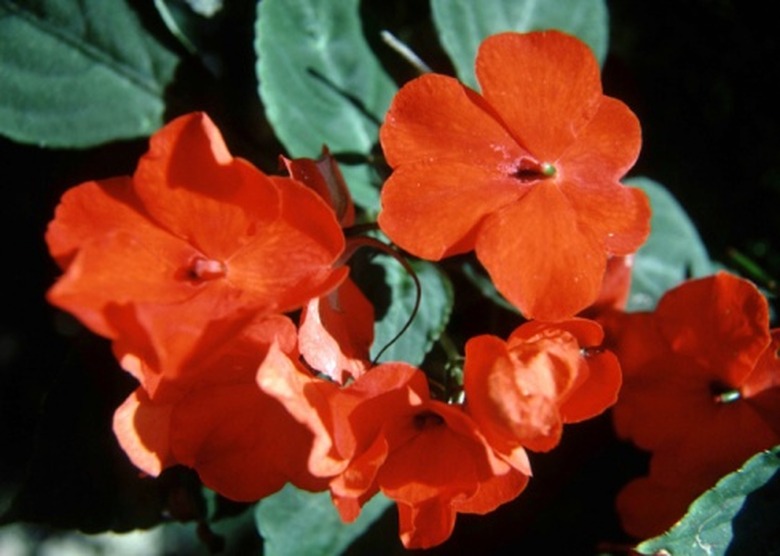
x=321, y=84
x=432, y=315
x=295, y=522
x=737, y=516
x=463, y=24
x=673, y=252
x=77, y=73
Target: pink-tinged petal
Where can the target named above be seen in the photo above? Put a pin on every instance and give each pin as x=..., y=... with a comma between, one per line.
x=91, y=210
x=720, y=321
x=435, y=118
x=191, y=185
x=121, y=268
x=595, y=382
x=545, y=86
x=539, y=257
x=143, y=429
x=242, y=443
x=337, y=331
x=588, y=333
x=309, y=401
x=434, y=210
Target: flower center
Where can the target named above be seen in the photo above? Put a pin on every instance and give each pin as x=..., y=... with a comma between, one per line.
x=427, y=419
x=202, y=268
x=529, y=170
x=723, y=394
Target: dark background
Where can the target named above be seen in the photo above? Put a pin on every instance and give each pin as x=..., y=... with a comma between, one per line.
x=701, y=75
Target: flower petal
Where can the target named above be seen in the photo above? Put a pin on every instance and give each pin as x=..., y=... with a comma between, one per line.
x=539, y=257
x=242, y=443
x=648, y=509
x=191, y=186
x=336, y=332
x=90, y=210
x=433, y=210
x=720, y=321
x=545, y=86
x=291, y=260
x=435, y=118
x=308, y=400
x=120, y=268
x=589, y=172
x=143, y=430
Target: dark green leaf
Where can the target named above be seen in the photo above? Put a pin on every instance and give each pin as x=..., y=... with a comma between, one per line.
x=432, y=316
x=77, y=73
x=321, y=84
x=463, y=24
x=294, y=522
x=673, y=252
x=739, y=516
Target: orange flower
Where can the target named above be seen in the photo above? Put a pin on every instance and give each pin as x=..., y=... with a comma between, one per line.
x=213, y=418
x=522, y=391
x=526, y=174
x=337, y=330
x=383, y=432
x=701, y=392
x=195, y=243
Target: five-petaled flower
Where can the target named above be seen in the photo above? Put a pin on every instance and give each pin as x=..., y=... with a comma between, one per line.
x=521, y=392
x=526, y=174
x=190, y=248
x=701, y=392
x=384, y=432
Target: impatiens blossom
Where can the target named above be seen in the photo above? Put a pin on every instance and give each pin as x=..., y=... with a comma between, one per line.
x=213, y=418
x=525, y=173
x=337, y=329
x=701, y=392
x=384, y=433
x=192, y=246
x=522, y=391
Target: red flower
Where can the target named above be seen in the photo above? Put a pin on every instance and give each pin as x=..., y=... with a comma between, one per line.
x=213, y=418
x=383, y=432
x=195, y=243
x=337, y=330
x=522, y=391
x=526, y=174
x=701, y=377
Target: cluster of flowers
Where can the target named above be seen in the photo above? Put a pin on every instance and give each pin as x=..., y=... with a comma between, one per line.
x=195, y=266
